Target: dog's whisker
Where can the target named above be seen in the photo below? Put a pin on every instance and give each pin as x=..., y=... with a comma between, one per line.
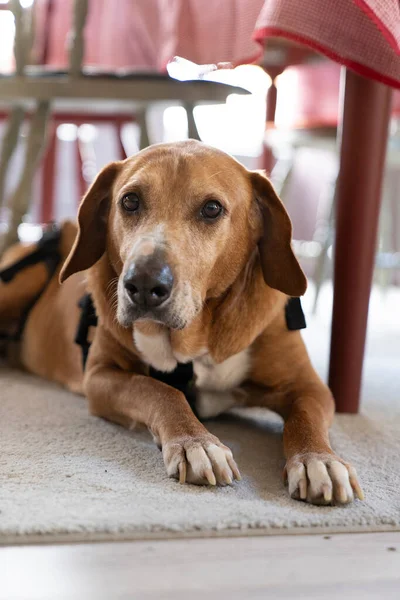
x=110, y=284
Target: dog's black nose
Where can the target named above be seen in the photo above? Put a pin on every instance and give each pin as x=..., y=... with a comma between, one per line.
x=148, y=283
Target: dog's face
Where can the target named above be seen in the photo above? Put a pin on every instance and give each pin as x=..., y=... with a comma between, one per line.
x=179, y=223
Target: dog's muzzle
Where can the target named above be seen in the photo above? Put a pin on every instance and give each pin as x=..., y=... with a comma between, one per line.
x=149, y=289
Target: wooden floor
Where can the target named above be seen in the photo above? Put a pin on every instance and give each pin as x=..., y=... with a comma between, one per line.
x=356, y=566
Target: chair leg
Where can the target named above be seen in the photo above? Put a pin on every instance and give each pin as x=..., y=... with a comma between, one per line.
x=82, y=184
x=49, y=178
x=121, y=147
x=366, y=114
x=384, y=273
x=10, y=141
x=193, y=132
x=267, y=159
x=320, y=266
x=141, y=119
x=19, y=201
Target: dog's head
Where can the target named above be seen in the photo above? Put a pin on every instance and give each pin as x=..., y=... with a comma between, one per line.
x=179, y=222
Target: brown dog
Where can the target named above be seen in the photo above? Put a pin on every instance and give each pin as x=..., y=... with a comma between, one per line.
x=188, y=258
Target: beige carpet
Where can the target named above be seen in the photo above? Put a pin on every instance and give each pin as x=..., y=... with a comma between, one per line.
x=65, y=473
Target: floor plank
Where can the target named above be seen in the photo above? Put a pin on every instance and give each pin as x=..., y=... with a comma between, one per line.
x=360, y=566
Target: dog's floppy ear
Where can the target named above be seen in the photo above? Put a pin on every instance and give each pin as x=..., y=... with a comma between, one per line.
x=280, y=268
x=90, y=241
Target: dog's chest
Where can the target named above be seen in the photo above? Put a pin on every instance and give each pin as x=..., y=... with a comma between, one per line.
x=157, y=352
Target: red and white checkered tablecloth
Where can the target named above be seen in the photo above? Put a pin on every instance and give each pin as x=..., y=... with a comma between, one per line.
x=386, y=15
x=364, y=35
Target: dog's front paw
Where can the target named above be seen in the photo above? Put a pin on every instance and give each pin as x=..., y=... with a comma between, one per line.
x=202, y=460
x=322, y=479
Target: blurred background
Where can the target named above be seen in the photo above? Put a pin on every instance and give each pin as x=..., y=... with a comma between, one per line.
x=83, y=83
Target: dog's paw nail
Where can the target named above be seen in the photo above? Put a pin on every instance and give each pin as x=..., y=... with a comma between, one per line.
x=297, y=481
x=226, y=477
x=285, y=476
x=234, y=468
x=341, y=494
x=182, y=472
x=354, y=483
x=303, y=489
x=359, y=493
x=327, y=493
x=210, y=477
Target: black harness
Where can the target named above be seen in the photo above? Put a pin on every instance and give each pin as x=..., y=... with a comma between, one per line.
x=47, y=252
x=295, y=318
x=87, y=320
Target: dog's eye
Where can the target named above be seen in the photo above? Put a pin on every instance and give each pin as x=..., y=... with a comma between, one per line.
x=211, y=210
x=130, y=202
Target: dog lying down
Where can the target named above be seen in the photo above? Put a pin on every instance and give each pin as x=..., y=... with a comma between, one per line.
x=187, y=256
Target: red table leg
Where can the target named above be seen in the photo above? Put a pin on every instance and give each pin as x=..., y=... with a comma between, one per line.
x=365, y=122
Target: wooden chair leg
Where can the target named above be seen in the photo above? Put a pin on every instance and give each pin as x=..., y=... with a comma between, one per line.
x=366, y=114
x=10, y=141
x=193, y=132
x=49, y=178
x=19, y=202
x=81, y=181
x=77, y=41
x=322, y=259
x=141, y=119
x=121, y=147
x=268, y=160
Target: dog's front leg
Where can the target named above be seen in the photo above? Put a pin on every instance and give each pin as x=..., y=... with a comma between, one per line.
x=283, y=380
x=313, y=471
x=190, y=452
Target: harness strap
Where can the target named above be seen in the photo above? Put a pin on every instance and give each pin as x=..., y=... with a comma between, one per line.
x=295, y=318
x=87, y=319
x=182, y=379
x=47, y=251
